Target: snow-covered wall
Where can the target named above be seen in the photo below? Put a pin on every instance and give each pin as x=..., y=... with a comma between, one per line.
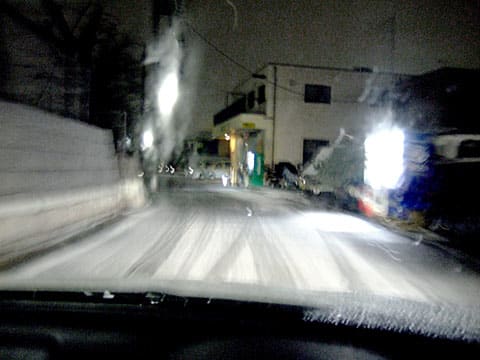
x=57, y=176
x=44, y=152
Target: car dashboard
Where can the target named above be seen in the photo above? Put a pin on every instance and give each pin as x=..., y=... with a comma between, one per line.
x=71, y=325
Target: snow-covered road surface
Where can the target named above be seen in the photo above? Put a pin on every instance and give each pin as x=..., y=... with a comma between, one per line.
x=264, y=237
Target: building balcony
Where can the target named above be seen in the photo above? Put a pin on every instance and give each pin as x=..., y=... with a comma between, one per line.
x=253, y=102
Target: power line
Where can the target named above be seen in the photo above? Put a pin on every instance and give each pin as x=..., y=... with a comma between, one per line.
x=235, y=62
x=245, y=68
x=218, y=50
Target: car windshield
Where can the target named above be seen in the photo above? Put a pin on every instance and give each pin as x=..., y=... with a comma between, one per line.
x=277, y=151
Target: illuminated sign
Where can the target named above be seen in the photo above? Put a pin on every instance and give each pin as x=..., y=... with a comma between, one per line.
x=248, y=125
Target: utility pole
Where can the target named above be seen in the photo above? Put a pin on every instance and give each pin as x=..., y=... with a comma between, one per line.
x=393, y=30
x=124, y=125
x=393, y=36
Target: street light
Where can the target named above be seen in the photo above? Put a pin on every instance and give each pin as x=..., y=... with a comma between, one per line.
x=147, y=139
x=168, y=94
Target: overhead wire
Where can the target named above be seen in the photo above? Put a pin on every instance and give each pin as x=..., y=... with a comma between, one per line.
x=246, y=69
x=233, y=61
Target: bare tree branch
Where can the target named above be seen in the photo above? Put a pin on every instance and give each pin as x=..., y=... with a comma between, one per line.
x=43, y=31
x=81, y=15
x=89, y=34
x=57, y=16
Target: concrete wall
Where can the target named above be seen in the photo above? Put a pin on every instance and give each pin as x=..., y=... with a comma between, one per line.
x=44, y=152
x=57, y=176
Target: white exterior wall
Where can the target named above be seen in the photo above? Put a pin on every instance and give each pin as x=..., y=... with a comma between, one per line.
x=293, y=120
x=296, y=120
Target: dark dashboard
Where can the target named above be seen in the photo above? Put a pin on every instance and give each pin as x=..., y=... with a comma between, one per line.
x=49, y=325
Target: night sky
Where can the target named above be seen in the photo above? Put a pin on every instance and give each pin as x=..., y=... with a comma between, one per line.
x=407, y=36
x=404, y=36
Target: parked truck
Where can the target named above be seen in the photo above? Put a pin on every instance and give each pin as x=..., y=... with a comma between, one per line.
x=421, y=162
x=335, y=170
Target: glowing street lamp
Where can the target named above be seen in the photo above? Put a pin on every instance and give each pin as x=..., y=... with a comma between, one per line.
x=147, y=139
x=168, y=94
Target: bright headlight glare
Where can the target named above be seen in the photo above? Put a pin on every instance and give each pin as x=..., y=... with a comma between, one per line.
x=384, y=158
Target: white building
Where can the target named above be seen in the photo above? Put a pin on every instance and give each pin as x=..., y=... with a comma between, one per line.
x=287, y=111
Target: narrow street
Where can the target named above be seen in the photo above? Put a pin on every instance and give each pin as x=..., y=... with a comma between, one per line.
x=264, y=237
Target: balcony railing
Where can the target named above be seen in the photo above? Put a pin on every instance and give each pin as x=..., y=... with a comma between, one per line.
x=237, y=107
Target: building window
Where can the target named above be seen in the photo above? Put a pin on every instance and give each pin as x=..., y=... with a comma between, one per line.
x=317, y=94
x=251, y=99
x=469, y=149
x=261, y=94
x=311, y=147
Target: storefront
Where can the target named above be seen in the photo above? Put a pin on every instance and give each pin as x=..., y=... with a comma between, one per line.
x=250, y=143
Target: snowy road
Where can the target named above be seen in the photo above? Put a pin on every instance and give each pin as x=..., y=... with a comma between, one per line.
x=263, y=237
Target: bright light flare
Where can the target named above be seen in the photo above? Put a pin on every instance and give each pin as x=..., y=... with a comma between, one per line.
x=225, y=180
x=227, y=137
x=233, y=144
x=250, y=161
x=384, y=158
x=168, y=94
x=147, y=139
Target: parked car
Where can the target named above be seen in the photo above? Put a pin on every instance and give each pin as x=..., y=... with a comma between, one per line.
x=209, y=170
